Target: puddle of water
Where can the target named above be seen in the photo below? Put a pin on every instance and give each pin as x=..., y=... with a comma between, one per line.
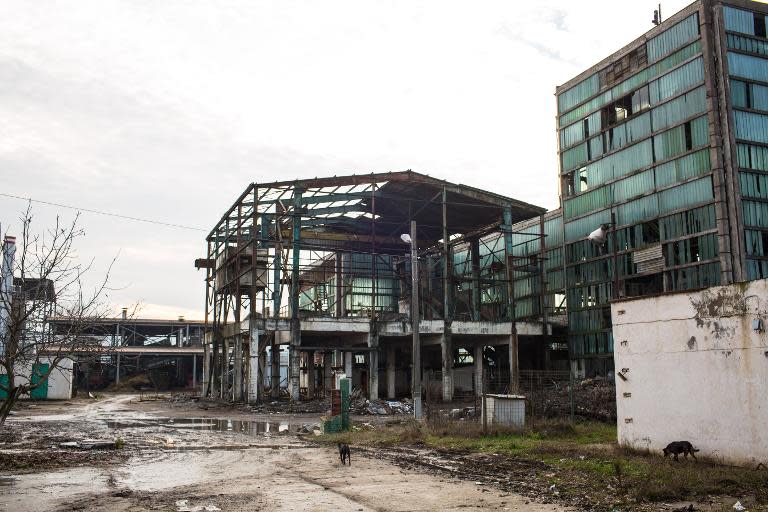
x=208, y=424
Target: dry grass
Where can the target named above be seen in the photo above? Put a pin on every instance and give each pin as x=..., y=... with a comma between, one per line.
x=584, y=458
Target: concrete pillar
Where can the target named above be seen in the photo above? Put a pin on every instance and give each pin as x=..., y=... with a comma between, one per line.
x=373, y=365
x=224, y=370
x=194, y=372
x=117, y=372
x=311, y=377
x=275, y=360
x=391, y=373
x=327, y=373
x=237, y=387
x=478, y=356
x=348, y=364
x=294, y=361
x=262, y=371
x=255, y=375
x=206, y=366
x=514, y=367
x=294, y=368
x=338, y=359
x=446, y=346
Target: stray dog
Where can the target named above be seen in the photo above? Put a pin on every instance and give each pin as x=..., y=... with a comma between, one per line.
x=678, y=447
x=344, y=453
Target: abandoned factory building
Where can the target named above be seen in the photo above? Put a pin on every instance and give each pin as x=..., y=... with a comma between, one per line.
x=663, y=169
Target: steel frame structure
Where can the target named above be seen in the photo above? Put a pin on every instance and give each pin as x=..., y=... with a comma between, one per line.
x=298, y=252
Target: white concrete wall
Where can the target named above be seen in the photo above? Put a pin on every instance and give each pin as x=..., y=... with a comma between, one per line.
x=59, y=381
x=695, y=371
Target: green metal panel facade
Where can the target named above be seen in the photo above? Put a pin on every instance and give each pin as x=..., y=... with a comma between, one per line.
x=537, y=256
x=748, y=86
x=652, y=170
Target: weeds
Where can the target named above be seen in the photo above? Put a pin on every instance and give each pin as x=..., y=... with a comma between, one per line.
x=585, y=456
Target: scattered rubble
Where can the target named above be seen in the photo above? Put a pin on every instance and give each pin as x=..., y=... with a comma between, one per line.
x=362, y=406
x=593, y=399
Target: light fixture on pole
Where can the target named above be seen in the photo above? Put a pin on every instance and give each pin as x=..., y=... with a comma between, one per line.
x=415, y=315
x=599, y=237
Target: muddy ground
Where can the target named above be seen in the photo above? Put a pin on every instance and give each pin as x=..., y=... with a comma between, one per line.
x=125, y=454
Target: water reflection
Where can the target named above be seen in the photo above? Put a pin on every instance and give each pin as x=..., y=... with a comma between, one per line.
x=208, y=424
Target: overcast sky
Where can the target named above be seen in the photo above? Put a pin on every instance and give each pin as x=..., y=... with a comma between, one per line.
x=166, y=110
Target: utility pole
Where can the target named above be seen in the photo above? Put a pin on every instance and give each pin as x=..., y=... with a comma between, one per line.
x=416, y=378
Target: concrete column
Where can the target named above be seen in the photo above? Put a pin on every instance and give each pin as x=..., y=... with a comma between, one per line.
x=237, y=387
x=294, y=367
x=194, y=372
x=478, y=356
x=117, y=373
x=348, y=363
x=294, y=361
x=446, y=346
x=206, y=366
x=262, y=371
x=373, y=365
x=514, y=367
x=391, y=373
x=311, y=377
x=275, y=360
x=338, y=358
x=224, y=370
x=327, y=373
x=253, y=390
x=255, y=375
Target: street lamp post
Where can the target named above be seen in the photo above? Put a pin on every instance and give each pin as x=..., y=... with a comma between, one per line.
x=416, y=374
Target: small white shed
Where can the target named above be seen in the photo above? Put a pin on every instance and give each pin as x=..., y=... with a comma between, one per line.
x=508, y=410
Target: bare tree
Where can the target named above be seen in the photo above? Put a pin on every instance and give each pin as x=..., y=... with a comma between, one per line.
x=43, y=278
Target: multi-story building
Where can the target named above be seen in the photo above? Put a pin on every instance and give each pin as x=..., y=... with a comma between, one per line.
x=665, y=145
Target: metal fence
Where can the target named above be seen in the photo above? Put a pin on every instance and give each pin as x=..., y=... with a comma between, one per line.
x=546, y=395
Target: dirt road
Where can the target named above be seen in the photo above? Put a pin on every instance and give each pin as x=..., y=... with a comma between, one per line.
x=186, y=464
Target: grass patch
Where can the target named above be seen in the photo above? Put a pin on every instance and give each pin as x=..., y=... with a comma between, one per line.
x=583, y=459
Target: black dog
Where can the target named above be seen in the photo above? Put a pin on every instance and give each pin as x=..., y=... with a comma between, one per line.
x=678, y=447
x=344, y=453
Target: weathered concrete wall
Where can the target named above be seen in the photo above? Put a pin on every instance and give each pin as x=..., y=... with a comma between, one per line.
x=695, y=371
x=59, y=381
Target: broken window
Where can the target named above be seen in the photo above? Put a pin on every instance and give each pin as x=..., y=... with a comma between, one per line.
x=625, y=107
x=568, y=186
x=606, y=314
x=644, y=285
x=617, y=111
x=650, y=232
x=759, y=25
x=583, y=182
x=641, y=99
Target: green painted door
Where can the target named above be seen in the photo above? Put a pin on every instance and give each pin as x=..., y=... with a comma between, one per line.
x=41, y=392
x=4, y=382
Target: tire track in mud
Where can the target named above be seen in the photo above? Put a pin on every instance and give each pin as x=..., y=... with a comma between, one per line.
x=294, y=469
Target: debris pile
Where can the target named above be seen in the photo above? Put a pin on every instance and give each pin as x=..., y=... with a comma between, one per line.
x=592, y=398
x=362, y=406
x=133, y=383
x=284, y=406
